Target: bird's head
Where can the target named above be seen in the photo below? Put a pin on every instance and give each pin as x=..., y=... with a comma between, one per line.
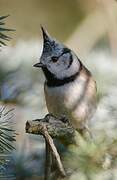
x=57, y=60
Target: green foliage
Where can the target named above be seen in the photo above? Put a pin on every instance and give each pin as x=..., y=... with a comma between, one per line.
x=3, y=37
x=7, y=134
x=92, y=158
x=7, y=137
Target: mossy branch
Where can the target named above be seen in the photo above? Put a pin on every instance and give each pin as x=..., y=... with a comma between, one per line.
x=59, y=128
x=52, y=127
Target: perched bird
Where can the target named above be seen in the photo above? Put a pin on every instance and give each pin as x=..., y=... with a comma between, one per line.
x=70, y=89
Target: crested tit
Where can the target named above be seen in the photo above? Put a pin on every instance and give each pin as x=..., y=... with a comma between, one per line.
x=69, y=87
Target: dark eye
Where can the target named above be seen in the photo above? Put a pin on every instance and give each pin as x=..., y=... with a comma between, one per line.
x=54, y=59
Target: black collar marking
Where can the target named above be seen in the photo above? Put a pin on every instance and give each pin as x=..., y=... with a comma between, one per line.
x=52, y=81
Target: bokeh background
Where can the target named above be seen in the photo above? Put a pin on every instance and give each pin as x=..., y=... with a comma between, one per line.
x=89, y=27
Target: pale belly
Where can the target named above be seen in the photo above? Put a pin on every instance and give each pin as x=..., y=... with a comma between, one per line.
x=73, y=101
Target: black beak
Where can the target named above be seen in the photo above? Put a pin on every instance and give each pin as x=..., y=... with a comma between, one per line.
x=40, y=65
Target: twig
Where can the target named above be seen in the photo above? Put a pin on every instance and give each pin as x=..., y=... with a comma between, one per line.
x=52, y=127
x=48, y=162
x=53, y=150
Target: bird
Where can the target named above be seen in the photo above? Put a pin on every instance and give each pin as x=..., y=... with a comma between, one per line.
x=69, y=88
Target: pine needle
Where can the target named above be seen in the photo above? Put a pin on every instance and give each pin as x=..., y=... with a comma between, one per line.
x=4, y=37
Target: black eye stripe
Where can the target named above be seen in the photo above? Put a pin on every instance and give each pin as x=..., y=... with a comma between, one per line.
x=65, y=51
x=70, y=62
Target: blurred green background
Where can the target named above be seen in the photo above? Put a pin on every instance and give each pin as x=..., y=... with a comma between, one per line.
x=89, y=27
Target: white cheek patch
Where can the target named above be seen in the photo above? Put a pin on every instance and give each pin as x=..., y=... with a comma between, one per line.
x=75, y=67
x=62, y=73
x=63, y=69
